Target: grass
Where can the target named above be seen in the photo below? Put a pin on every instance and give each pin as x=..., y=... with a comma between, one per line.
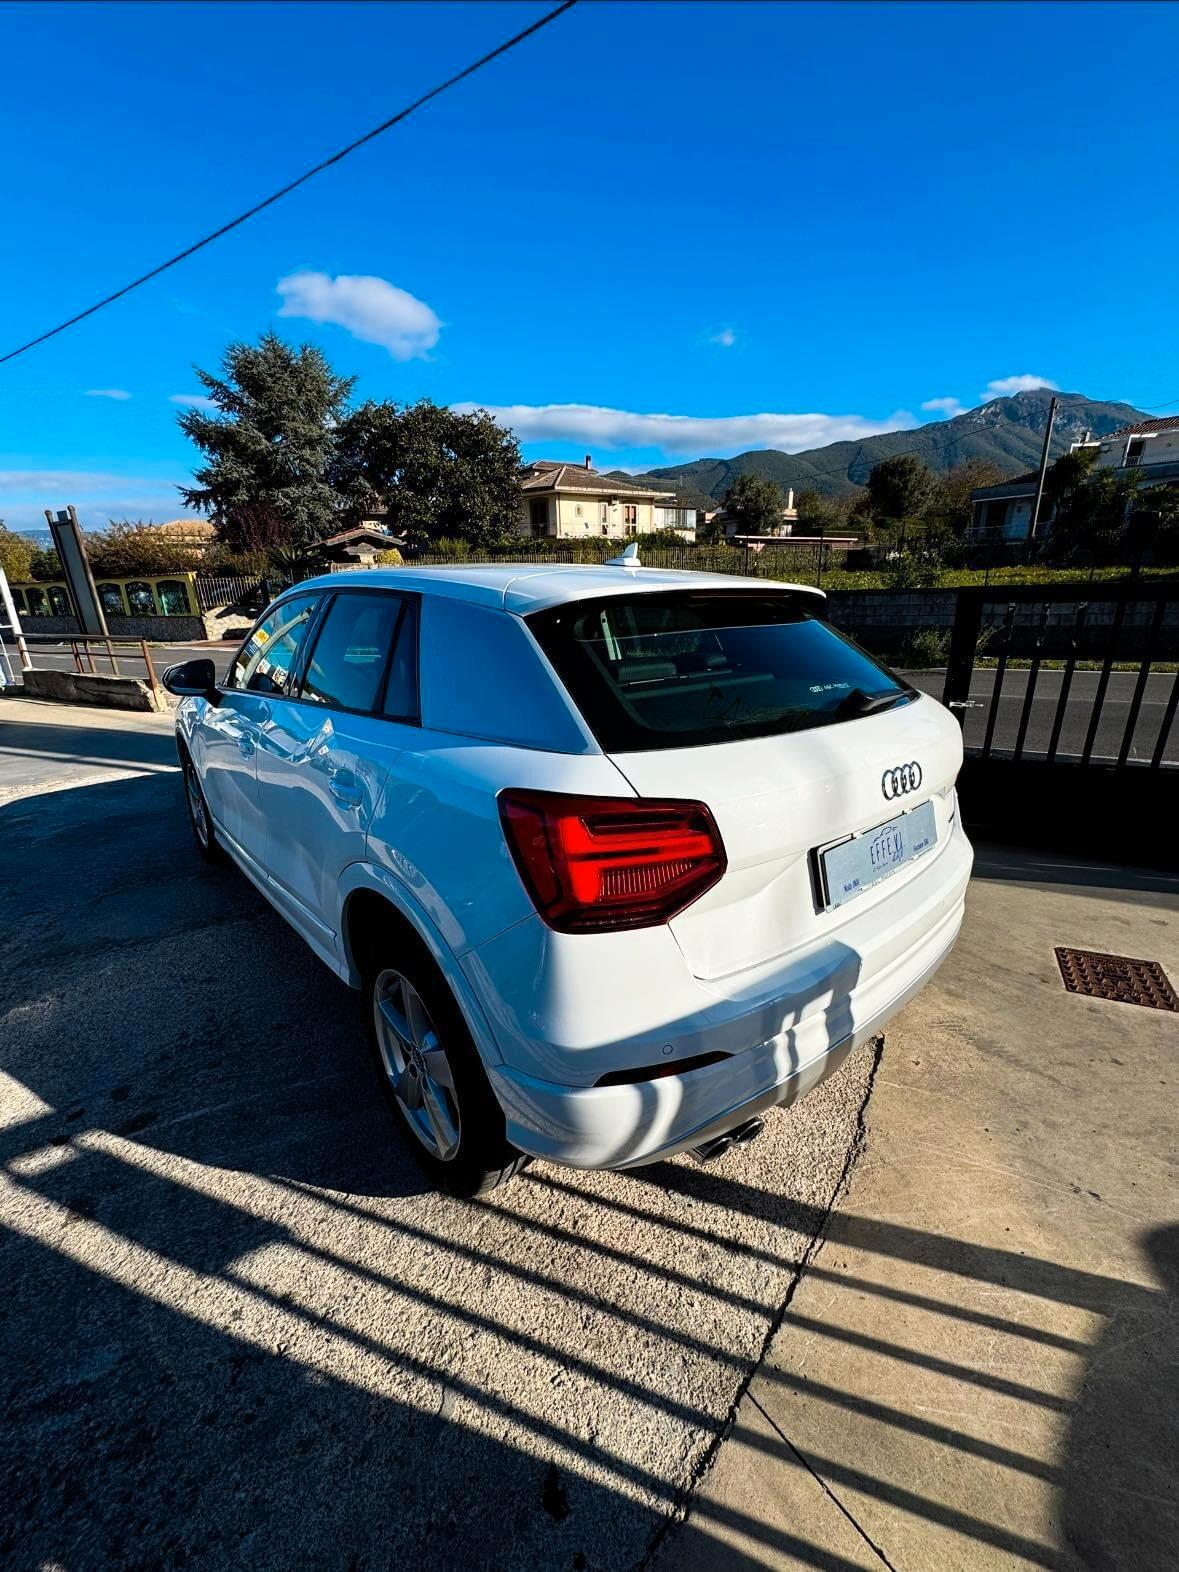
x=962, y=578
x=1023, y=663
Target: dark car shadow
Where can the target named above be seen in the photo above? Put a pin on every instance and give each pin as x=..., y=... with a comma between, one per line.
x=243, y=1052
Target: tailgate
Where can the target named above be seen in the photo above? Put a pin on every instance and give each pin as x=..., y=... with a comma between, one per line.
x=776, y=799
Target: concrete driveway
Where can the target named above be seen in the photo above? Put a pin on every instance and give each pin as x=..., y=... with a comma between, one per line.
x=926, y=1321
x=235, y=1327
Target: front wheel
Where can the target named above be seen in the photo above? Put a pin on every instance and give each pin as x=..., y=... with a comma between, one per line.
x=433, y=1080
x=199, y=819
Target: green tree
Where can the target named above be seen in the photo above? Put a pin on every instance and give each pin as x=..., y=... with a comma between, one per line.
x=269, y=446
x=433, y=473
x=1092, y=506
x=756, y=504
x=46, y=564
x=16, y=555
x=125, y=548
x=952, y=496
x=900, y=487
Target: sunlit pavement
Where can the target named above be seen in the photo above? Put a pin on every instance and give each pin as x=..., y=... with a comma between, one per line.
x=980, y=1367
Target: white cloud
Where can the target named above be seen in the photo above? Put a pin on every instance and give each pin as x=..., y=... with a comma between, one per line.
x=725, y=337
x=191, y=400
x=719, y=436
x=1004, y=387
x=371, y=309
x=116, y=393
x=99, y=496
x=949, y=407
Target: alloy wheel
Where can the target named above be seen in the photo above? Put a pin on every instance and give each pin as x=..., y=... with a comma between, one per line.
x=196, y=806
x=416, y=1064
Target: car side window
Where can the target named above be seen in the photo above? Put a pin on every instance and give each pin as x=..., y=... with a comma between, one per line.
x=350, y=651
x=401, y=689
x=265, y=660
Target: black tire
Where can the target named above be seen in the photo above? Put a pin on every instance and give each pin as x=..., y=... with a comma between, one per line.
x=481, y=1156
x=200, y=821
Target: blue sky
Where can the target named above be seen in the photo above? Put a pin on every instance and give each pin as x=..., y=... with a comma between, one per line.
x=779, y=225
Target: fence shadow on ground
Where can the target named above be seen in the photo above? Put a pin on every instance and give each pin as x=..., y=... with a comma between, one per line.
x=237, y=1329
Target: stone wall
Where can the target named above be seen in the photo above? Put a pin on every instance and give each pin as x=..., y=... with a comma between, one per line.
x=160, y=630
x=884, y=621
x=105, y=692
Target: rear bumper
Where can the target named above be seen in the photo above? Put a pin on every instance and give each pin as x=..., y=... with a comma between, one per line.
x=630, y=1125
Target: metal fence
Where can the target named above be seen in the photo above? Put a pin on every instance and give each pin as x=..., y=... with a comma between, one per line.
x=802, y=563
x=214, y=590
x=1044, y=676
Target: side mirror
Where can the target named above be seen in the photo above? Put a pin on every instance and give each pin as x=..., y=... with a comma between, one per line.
x=192, y=679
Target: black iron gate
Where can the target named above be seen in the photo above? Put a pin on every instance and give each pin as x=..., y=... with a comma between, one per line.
x=1067, y=700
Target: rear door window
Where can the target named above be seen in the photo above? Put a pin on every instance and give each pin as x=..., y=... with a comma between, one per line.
x=348, y=659
x=689, y=668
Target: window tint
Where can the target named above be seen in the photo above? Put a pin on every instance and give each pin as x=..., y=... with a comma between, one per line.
x=348, y=660
x=401, y=692
x=265, y=659
x=696, y=667
x=111, y=597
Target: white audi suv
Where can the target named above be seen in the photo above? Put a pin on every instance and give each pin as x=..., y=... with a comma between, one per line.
x=620, y=858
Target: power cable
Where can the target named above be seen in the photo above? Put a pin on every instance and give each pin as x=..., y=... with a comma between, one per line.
x=386, y=125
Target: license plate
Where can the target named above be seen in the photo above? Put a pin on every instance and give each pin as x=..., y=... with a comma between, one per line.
x=853, y=866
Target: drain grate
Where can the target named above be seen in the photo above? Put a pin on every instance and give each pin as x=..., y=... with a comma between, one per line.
x=1116, y=977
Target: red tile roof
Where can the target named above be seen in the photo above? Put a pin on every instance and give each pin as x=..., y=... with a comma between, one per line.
x=1141, y=428
x=544, y=475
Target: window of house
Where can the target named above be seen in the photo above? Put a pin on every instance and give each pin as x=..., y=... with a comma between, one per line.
x=59, y=600
x=630, y=517
x=173, y=594
x=111, y=597
x=18, y=600
x=538, y=515
x=351, y=647
x=265, y=659
x=38, y=605
x=603, y=514
x=140, y=599
x=1134, y=451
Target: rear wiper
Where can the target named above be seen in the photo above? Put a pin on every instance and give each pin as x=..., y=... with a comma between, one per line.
x=857, y=702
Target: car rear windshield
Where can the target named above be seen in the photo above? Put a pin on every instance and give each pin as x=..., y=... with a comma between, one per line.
x=693, y=667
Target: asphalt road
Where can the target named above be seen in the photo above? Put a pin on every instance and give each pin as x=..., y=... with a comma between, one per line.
x=1115, y=711
x=236, y=1328
x=60, y=658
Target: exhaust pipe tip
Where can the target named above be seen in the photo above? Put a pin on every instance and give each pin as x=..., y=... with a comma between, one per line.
x=740, y=1135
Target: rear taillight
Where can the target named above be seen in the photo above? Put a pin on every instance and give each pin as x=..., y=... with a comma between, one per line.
x=605, y=863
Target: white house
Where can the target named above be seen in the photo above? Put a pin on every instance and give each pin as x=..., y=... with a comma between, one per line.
x=1150, y=445
x=572, y=501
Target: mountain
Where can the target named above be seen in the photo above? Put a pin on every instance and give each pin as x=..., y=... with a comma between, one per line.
x=1008, y=432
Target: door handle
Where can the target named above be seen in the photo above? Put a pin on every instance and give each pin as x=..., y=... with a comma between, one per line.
x=345, y=792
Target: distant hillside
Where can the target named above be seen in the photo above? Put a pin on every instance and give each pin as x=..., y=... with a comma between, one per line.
x=1008, y=432
x=686, y=494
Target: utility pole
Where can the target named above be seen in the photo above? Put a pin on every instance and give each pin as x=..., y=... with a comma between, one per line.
x=1043, y=468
